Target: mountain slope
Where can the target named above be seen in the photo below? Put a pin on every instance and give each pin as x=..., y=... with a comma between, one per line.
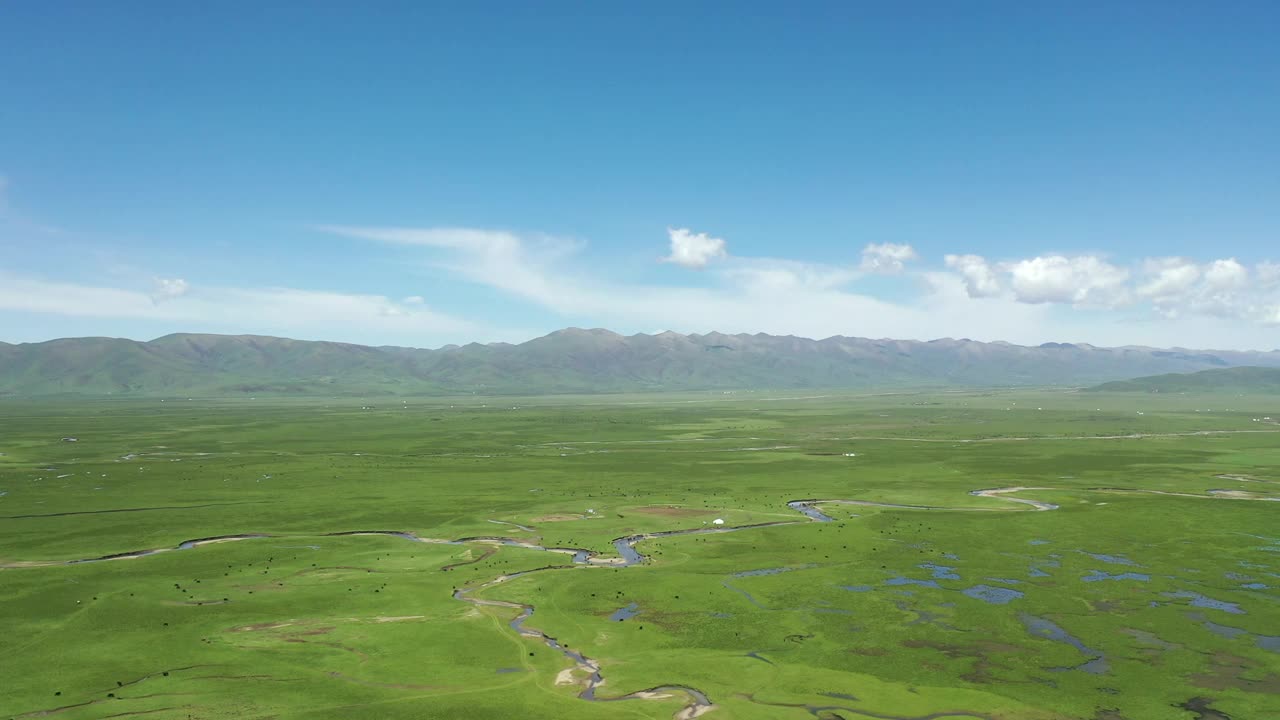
x=1247, y=380
x=572, y=360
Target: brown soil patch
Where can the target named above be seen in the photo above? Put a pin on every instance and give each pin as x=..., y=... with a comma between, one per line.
x=1227, y=672
x=980, y=652
x=559, y=517
x=1201, y=707
x=336, y=646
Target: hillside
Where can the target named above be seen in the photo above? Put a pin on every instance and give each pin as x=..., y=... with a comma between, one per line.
x=1247, y=380
x=565, y=361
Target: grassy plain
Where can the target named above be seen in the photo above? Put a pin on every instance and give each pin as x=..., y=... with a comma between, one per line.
x=1143, y=596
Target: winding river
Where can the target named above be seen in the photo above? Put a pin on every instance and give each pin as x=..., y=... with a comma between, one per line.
x=697, y=702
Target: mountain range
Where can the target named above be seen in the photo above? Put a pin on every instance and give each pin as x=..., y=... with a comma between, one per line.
x=570, y=361
x=1244, y=380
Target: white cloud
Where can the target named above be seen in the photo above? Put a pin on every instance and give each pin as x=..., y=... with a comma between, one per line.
x=29, y=294
x=1019, y=299
x=1168, y=278
x=259, y=310
x=770, y=274
x=1175, y=287
x=1226, y=275
x=1028, y=300
x=694, y=250
x=1268, y=274
x=886, y=258
x=497, y=258
x=1220, y=288
x=169, y=288
x=980, y=279
x=1081, y=280
x=738, y=295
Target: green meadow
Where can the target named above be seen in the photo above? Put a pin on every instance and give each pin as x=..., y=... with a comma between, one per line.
x=456, y=558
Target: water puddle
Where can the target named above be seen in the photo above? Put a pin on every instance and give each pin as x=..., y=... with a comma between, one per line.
x=1048, y=630
x=1270, y=643
x=771, y=571
x=912, y=581
x=1112, y=559
x=1200, y=601
x=625, y=613
x=1096, y=575
x=940, y=572
x=1225, y=631
x=992, y=595
x=750, y=598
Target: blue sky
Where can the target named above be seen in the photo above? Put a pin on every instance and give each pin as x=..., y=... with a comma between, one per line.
x=417, y=175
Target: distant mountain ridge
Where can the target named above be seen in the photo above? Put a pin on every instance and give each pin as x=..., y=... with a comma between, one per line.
x=1248, y=380
x=569, y=361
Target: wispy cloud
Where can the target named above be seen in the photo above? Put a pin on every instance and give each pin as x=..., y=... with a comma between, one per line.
x=233, y=309
x=11, y=218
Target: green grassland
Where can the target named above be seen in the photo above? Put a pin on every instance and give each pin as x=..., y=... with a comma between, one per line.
x=1149, y=592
